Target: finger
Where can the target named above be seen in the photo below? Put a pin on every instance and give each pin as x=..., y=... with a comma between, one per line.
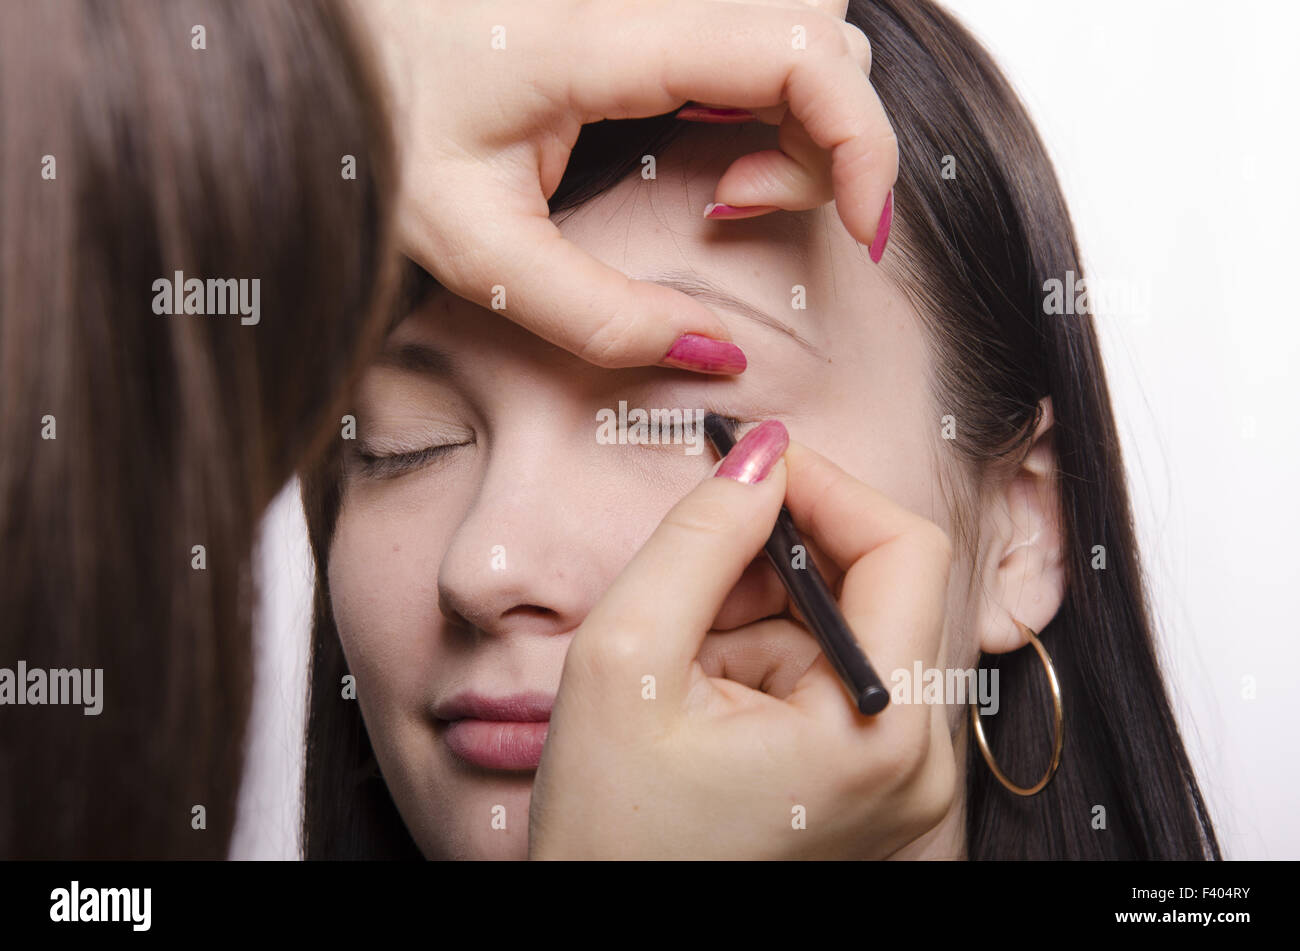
x=835, y=8
x=654, y=617
x=519, y=264
x=758, y=594
x=860, y=47
x=775, y=115
x=746, y=55
x=895, y=586
x=795, y=177
x=894, y=600
x=768, y=656
x=803, y=175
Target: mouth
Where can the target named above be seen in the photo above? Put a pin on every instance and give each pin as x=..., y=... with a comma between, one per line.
x=502, y=733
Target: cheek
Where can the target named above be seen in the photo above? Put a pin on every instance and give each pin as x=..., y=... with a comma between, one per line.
x=383, y=589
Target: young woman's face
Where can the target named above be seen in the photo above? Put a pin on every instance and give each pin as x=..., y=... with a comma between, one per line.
x=468, y=569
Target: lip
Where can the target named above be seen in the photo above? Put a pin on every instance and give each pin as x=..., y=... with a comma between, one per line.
x=505, y=733
x=526, y=707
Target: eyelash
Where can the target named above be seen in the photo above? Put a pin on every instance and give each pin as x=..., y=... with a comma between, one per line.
x=733, y=421
x=737, y=424
x=377, y=466
x=387, y=466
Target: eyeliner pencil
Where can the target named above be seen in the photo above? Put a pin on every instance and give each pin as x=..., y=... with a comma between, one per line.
x=810, y=594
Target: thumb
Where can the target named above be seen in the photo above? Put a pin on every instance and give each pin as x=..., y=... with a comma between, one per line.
x=656, y=614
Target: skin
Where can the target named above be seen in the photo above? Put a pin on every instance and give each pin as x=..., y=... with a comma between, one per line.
x=422, y=614
x=489, y=97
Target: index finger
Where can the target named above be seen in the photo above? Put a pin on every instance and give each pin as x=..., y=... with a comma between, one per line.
x=751, y=55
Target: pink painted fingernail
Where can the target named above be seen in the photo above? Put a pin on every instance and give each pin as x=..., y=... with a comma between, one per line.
x=710, y=114
x=751, y=459
x=877, y=249
x=705, y=355
x=719, y=211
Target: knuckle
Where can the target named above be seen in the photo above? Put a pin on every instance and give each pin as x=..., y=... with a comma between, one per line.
x=609, y=652
x=826, y=32
x=859, y=46
x=866, y=150
x=887, y=150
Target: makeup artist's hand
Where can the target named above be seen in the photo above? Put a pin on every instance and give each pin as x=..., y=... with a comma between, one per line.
x=711, y=768
x=490, y=97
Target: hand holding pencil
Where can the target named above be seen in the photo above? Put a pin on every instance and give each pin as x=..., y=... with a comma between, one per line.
x=624, y=775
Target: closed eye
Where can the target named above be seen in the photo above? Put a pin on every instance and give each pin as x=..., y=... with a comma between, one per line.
x=388, y=465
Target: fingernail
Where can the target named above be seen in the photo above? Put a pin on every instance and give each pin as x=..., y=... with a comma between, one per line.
x=751, y=459
x=710, y=114
x=715, y=210
x=705, y=355
x=877, y=249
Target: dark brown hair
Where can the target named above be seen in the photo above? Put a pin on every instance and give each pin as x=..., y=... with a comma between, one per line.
x=217, y=153
x=973, y=253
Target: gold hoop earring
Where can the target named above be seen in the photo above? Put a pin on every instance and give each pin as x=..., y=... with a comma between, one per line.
x=1060, y=724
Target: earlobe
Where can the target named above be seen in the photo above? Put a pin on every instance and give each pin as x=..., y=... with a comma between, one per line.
x=1024, y=566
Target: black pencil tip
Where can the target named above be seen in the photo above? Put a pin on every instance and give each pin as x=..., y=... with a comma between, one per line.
x=720, y=433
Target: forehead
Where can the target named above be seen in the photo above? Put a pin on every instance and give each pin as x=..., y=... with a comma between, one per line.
x=802, y=267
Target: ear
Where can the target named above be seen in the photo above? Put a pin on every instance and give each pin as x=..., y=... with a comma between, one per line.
x=1022, y=569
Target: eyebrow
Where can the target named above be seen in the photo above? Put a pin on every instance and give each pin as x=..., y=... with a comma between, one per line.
x=417, y=284
x=709, y=293
x=417, y=358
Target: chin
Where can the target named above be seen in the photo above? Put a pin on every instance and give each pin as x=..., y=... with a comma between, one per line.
x=485, y=819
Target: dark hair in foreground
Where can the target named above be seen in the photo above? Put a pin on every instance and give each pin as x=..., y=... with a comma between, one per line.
x=973, y=253
x=170, y=431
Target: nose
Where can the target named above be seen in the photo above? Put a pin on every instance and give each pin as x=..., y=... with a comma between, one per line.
x=524, y=559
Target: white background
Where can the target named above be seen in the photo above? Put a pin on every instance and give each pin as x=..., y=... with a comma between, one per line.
x=1174, y=130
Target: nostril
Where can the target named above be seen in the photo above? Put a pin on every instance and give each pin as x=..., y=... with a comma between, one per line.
x=530, y=611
